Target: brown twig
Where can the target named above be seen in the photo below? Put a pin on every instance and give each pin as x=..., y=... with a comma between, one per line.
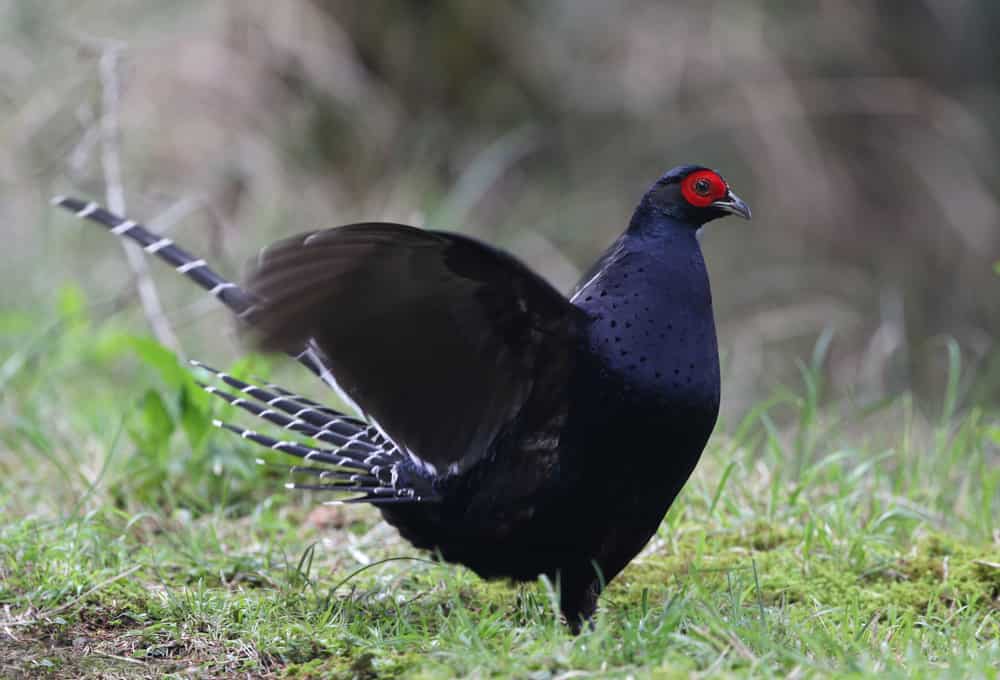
x=115, y=195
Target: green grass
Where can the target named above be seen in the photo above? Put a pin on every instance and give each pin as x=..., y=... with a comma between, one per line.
x=814, y=539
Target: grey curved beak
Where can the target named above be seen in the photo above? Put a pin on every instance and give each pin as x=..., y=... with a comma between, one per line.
x=734, y=205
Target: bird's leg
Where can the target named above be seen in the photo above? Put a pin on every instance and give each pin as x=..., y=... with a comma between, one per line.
x=578, y=592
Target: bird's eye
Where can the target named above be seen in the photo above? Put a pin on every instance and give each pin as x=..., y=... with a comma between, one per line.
x=702, y=187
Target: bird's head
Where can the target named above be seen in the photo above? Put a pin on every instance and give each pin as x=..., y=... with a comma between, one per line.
x=695, y=195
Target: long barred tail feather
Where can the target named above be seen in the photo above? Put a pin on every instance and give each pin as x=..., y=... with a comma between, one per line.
x=376, y=483
x=376, y=477
x=289, y=412
x=328, y=456
x=294, y=405
x=227, y=292
x=372, y=433
x=343, y=445
x=239, y=301
x=361, y=460
x=373, y=500
x=305, y=401
x=306, y=470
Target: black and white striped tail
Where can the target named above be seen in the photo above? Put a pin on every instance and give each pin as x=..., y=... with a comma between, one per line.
x=228, y=293
x=356, y=461
x=354, y=457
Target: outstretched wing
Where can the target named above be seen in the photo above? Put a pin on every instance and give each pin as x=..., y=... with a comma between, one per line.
x=438, y=338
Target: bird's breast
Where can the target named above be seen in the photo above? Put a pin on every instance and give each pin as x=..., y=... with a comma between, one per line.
x=649, y=361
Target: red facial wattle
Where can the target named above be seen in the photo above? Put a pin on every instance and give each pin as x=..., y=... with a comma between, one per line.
x=703, y=187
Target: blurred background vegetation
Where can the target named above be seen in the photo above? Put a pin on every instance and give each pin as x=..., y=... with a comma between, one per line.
x=863, y=134
x=844, y=515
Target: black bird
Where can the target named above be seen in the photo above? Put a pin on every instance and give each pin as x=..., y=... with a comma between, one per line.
x=509, y=428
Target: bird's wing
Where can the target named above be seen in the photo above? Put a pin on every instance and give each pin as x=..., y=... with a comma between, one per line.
x=439, y=339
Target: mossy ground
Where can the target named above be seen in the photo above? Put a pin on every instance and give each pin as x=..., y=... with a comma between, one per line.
x=103, y=596
x=812, y=540
x=100, y=598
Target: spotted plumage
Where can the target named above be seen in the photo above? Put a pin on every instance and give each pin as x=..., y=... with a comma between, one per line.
x=501, y=425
